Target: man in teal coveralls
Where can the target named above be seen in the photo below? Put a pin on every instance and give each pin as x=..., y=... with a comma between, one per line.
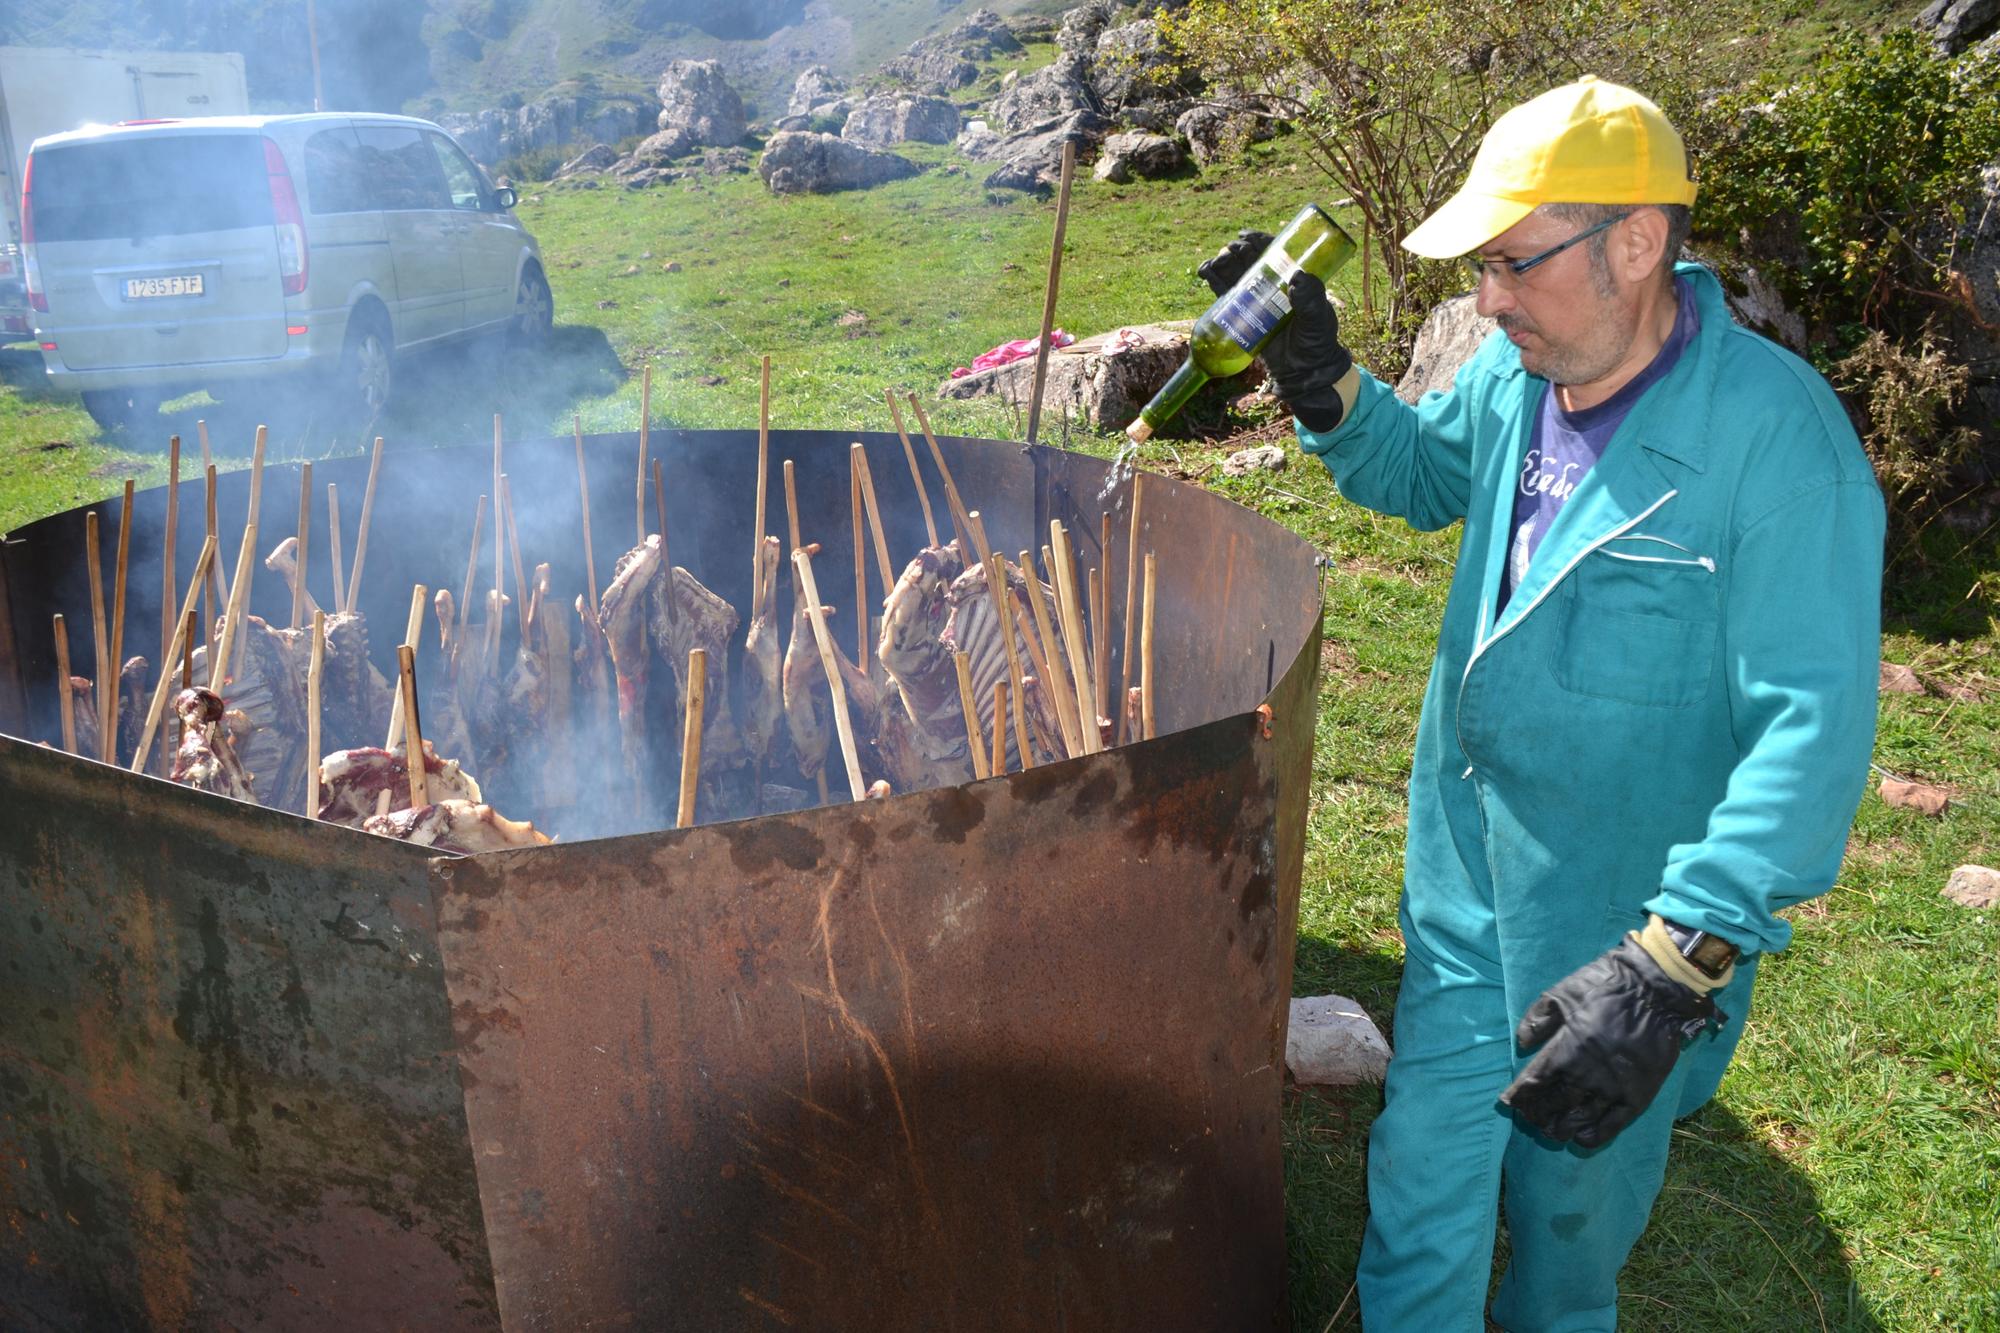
x=1648, y=722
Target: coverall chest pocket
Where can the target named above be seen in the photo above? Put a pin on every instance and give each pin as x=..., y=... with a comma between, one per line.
x=1639, y=622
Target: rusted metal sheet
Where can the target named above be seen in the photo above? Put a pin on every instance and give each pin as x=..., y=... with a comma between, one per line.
x=227, y=1097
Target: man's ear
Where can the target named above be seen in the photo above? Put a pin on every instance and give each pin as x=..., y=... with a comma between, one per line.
x=1637, y=248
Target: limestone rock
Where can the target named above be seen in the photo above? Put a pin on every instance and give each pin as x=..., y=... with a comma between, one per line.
x=1219, y=130
x=1899, y=679
x=1979, y=271
x=805, y=163
x=932, y=70
x=983, y=35
x=892, y=118
x=1051, y=92
x=492, y=136
x=1974, y=886
x=1146, y=156
x=1761, y=308
x=815, y=84
x=695, y=97
x=1919, y=796
x=1956, y=24
x=598, y=157
x=1451, y=333
x=1032, y=159
x=1105, y=378
x=1135, y=75
x=657, y=150
x=1261, y=458
x=1331, y=1042
x=1082, y=26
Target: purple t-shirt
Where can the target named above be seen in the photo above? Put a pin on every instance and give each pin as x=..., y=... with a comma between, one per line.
x=1564, y=446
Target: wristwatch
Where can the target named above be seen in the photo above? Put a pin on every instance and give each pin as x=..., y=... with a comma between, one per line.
x=1709, y=954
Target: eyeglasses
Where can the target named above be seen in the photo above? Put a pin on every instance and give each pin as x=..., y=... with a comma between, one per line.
x=1510, y=271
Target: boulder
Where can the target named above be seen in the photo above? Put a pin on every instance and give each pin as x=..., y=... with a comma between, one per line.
x=1258, y=458
x=977, y=140
x=983, y=35
x=1919, y=796
x=1451, y=333
x=1974, y=886
x=1032, y=160
x=695, y=97
x=1146, y=156
x=1758, y=306
x=492, y=136
x=891, y=118
x=1954, y=25
x=1082, y=26
x=1104, y=379
x=598, y=157
x=1895, y=678
x=798, y=122
x=1331, y=1042
x=806, y=163
x=656, y=151
x=1215, y=130
x=932, y=70
x=1060, y=89
x=815, y=84
x=1979, y=267
x=1137, y=77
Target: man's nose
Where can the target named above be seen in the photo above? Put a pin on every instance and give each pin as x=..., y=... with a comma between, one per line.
x=1491, y=299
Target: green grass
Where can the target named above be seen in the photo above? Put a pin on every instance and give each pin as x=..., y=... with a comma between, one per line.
x=1846, y=1177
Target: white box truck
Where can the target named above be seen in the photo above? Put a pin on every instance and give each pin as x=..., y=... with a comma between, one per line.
x=46, y=90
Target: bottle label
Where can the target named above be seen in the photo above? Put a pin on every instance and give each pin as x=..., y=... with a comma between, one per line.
x=1251, y=311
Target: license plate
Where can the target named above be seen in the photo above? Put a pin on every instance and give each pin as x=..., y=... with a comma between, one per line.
x=177, y=284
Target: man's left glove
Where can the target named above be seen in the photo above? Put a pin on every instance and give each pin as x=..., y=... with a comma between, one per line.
x=1614, y=1028
x=1309, y=366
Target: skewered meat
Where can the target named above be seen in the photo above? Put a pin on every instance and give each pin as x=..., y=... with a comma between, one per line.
x=913, y=652
x=351, y=781
x=763, y=671
x=622, y=615
x=206, y=759
x=284, y=562
x=974, y=629
x=132, y=707
x=808, y=702
x=456, y=826
x=558, y=764
x=683, y=616
x=443, y=722
x=270, y=691
x=83, y=708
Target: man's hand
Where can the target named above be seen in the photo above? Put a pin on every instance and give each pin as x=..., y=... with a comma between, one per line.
x=1305, y=357
x=1614, y=1028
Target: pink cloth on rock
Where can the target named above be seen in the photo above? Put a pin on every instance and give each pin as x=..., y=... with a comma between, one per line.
x=1018, y=350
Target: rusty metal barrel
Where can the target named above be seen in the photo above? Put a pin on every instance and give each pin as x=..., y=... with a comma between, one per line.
x=1005, y=1055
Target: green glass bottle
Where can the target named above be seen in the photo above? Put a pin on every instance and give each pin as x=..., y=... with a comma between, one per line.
x=1231, y=332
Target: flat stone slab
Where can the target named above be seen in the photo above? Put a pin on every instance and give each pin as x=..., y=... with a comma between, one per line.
x=1333, y=1043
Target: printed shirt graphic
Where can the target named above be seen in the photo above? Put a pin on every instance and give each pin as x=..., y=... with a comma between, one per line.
x=1564, y=445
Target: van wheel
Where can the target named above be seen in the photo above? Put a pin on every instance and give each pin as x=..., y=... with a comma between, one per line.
x=133, y=412
x=359, y=392
x=534, y=311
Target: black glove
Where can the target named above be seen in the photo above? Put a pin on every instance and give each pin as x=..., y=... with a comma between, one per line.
x=1305, y=357
x=1614, y=1028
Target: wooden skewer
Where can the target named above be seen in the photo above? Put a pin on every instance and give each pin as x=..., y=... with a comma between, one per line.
x=167, y=547
x=999, y=727
x=333, y=548
x=975, y=741
x=118, y=618
x=1003, y=605
x=514, y=549
x=413, y=630
x=1059, y=653
x=1048, y=662
x=697, y=702
x=100, y=641
x=1146, y=655
x=1079, y=648
x=181, y=637
x=763, y=462
x=232, y=614
x=858, y=453
x=660, y=506
x=916, y=475
x=231, y=664
x=860, y=563
x=413, y=759
x=315, y=670
x=305, y=533
x=499, y=532
x=583, y=494
x=1049, y=296
x=829, y=661
x=1131, y=591
x=645, y=423
x=472, y=567
x=187, y=652
x=958, y=511
x=792, y=521
x=1100, y=641
x=361, y=537
x=214, y=597
x=65, y=700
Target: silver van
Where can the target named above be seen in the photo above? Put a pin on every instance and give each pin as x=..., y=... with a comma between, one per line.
x=265, y=252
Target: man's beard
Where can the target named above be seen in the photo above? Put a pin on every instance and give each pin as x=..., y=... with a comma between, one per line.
x=1588, y=358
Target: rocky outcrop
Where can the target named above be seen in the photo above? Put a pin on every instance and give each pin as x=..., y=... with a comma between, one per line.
x=1032, y=159
x=1954, y=25
x=1449, y=336
x=1144, y=156
x=493, y=136
x=696, y=98
x=806, y=163
x=1082, y=26
x=596, y=158
x=1104, y=379
x=1054, y=90
x=815, y=86
x=636, y=172
x=1218, y=130
x=892, y=118
x=931, y=71
x=983, y=35
x=1137, y=79
x=1979, y=270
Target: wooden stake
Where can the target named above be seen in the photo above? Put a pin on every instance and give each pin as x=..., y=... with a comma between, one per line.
x=583, y=495
x=1146, y=655
x=1131, y=590
x=65, y=700
x=763, y=462
x=1049, y=295
x=232, y=614
x=645, y=423
x=305, y=533
x=472, y=567
x=413, y=754
x=660, y=507
x=1048, y=660
x=413, y=630
x=858, y=455
x=792, y=521
x=514, y=548
x=697, y=702
x=1003, y=605
x=1079, y=651
x=958, y=511
x=256, y=514
x=161, y=691
x=117, y=662
x=975, y=741
x=100, y=642
x=167, y=547
x=1100, y=640
x=860, y=564
x=916, y=475
x=829, y=661
x=315, y=670
x=333, y=548
x=999, y=727
x=361, y=537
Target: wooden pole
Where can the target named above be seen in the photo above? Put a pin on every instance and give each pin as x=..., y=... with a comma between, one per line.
x=829, y=660
x=860, y=563
x=583, y=496
x=975, y=740
x=1049, y=662
x=1079, y=650
x=315, y=671
x=118, y=618
x=361, y=537
x=858, y=453
x=214, y=597
x=1100, y=639
x=499, y=530
x=1131, y=593
x=959, y=515
x=255, y=519
x=697, y=702
x=1146, y=656
x=763, y=462
x=1003, y=606
x=472, y=567
x=916, y=475
x=514, y=550
x=160, y=691
x=1049, y=295
x=413, y=755
x=645, y=423
x=333, y=548
x=792, y=519
x=999, y=727
x=100, y=643
x=413, y=629
x=232, y=614
x=305, y=533
x=65, y=699
x=167, y=547
x=660, y=508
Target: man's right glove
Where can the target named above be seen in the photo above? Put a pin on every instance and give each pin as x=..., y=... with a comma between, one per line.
x=1306, y=359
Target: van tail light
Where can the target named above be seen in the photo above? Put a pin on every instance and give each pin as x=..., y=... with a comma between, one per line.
x=31, y=268
x=292, y=257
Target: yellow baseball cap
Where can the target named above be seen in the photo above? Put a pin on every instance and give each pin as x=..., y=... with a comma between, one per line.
x=1588, y=142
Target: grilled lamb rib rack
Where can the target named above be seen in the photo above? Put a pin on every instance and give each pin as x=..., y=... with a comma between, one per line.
x=206, y=759
x=351, y=780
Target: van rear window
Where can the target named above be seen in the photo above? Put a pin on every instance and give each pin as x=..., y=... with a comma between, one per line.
x=156, y=185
